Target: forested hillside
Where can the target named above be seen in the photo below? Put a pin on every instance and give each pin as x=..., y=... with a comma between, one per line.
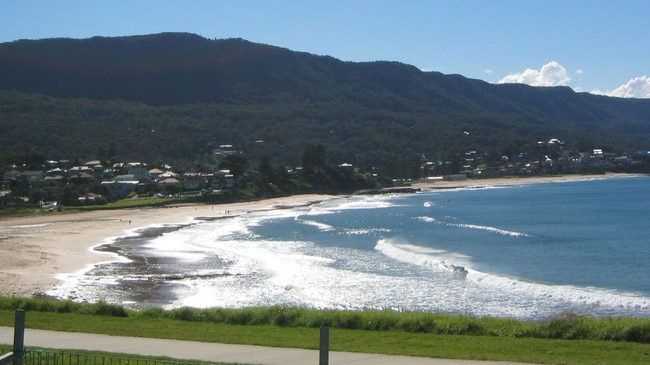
x=175, y=96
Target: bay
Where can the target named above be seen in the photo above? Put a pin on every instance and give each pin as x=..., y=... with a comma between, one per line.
x=529, y=251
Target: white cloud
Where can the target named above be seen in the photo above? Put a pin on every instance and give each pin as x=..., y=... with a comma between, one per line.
x=579, y=72
x=638, y=87
x=551, y=74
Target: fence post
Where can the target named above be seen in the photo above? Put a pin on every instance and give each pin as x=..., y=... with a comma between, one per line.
x=19, y=337
x=324, y=346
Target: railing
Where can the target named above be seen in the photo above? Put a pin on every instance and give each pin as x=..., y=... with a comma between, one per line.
x=19, y=355
x=41, y=357
x=15, y=357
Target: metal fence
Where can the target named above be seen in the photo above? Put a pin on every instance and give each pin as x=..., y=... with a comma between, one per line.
x=42, y=357
x=19, y=355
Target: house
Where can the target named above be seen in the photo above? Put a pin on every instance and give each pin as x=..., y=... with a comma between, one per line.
x=120, y=189
x=90, y=198
x=223, y=179
x=32, y=177
x=155, y=173
x=194, y=181
x=92, y=163
x=75, y=170
x=56, y=172
x=138, y=170
x=169, y=182
x=166, y=175
x=11, y=175
x=81, y=178
x=53, y=188
x=622, y=160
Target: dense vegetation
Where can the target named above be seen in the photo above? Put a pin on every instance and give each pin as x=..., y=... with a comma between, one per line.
x=170, y=97
x=565, y=326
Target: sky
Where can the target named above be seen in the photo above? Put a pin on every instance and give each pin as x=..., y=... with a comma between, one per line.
x=597, y=46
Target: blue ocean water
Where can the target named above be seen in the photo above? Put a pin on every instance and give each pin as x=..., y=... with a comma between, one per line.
x=526, y=251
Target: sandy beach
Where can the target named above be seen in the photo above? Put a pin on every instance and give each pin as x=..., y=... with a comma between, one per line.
x=33, y=250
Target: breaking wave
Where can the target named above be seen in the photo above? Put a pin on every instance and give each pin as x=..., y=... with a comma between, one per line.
x=437, y=260
x=503, y=232
x=459, y=265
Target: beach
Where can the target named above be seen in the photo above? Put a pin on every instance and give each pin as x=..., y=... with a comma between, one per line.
x=34, y=250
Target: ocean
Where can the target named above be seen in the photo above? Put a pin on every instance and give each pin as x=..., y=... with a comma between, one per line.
x=529, y=251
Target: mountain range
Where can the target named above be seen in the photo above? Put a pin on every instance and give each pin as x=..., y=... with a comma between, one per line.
x=175, y=96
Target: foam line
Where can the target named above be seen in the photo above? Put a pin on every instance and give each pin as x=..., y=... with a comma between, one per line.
x=500, y=231
x=437, y=260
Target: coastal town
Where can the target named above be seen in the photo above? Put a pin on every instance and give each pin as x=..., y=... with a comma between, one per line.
x=50, y=182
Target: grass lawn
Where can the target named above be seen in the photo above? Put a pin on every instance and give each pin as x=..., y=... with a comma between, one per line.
x=538, y=351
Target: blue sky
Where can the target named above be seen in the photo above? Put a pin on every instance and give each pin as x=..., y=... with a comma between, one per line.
x=595, y=46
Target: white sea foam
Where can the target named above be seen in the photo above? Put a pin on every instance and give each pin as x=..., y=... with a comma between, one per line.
x=359, y=202
x=500, y=231
x=586, y=297
x=428, y=219
x=28, y=226
x=365, y=231
x=321, y=226
x=438, y=260
x=233, y=263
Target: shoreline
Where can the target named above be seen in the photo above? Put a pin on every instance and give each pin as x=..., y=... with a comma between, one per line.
x=34, y=250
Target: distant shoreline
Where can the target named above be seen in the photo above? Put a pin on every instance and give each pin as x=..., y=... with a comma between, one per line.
x=454, y=184
x=34, y=250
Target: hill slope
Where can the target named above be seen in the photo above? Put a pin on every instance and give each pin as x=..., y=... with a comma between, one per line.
x=174, y=95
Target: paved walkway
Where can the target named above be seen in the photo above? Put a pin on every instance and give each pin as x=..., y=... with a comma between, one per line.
x=212, y=352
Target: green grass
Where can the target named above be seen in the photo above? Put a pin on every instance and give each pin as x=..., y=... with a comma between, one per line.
x=565, y=326
x=567, y=339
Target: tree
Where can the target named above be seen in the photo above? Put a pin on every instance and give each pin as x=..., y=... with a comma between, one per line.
x=266, y=169
x=34, y=159
x=314, y=157
x=236, y=163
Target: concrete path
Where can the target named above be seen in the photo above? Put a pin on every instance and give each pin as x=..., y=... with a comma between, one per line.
x=212, y=352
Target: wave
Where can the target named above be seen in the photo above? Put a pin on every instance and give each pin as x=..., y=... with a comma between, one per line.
x=506, y=288
x=321, y=226
x=590, y=297
x=324, y=227
x=437, y=260
x=500, y=231
x=358, y=202
x=503, y=232
x=364, y=231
